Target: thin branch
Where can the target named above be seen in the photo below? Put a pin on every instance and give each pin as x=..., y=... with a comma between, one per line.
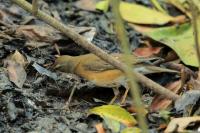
x=80, y=40
x=134, y=88
x=194, y=12
x=35, y=7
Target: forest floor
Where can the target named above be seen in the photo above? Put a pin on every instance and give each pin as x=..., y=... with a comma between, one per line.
x=34, y=99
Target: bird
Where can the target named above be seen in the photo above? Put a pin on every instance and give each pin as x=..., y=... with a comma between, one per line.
x=100, y=73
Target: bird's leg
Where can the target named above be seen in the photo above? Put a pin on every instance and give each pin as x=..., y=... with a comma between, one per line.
x=125, y=95
x=70, y=97
x=116, y=93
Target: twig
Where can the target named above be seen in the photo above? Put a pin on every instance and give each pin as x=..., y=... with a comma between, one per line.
x=134, y=88
x=194, y=12
x=35, y=6
x=80, y=40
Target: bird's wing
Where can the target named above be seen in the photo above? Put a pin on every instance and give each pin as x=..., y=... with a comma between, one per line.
x=134, y=59
x=98, y=65
x=94, y=63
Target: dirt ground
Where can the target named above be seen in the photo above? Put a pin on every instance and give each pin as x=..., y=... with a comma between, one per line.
x=40, y=104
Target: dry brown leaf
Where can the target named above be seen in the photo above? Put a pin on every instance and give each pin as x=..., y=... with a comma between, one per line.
x=88, y=5
x=18, y=58
x=160, y=103
x=38, y=33
x=147, y=51
x=16, y=72
x=145, y=28
x=15, y=64
x=179, y=124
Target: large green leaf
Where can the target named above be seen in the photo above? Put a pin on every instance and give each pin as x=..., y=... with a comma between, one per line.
x=180, y=39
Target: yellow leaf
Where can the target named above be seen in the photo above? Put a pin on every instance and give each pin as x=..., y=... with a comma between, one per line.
x=114, y=112
x=103, y=5
x=135, y=13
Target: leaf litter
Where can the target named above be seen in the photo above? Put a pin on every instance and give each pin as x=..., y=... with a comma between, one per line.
x=34, y=96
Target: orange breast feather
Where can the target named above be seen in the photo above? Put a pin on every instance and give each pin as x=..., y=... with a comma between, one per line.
x=107, y=78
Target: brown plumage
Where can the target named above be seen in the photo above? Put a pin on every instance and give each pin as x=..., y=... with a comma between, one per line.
x=97, y=71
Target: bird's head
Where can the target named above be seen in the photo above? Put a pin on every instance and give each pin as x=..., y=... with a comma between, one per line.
x=66, y=63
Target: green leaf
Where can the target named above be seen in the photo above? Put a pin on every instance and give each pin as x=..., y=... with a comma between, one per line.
x=180, y=39
x=114, y=112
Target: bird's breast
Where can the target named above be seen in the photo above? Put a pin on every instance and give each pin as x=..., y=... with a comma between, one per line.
x=107, y=78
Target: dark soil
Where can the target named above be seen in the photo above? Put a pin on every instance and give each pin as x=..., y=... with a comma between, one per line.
x=40, y=105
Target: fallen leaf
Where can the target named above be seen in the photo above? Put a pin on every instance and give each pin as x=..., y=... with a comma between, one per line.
x=38, y=33
x=180, y=39
x=138, y=14
x=15, y=64
x=146, y=51
x=179, y=124
x=18, y=58
x=49, y=35
x=160, y=103
x=114, y=112
x=87, y=32
x=16, y=72
x=88, y=5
